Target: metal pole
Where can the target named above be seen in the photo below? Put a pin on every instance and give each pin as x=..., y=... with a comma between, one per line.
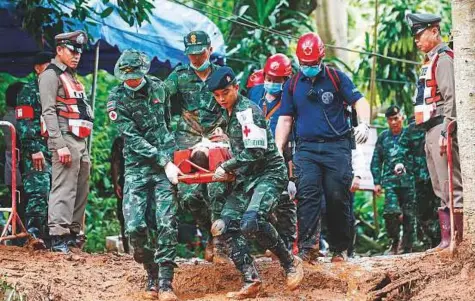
x=94, y=89
x=373, y=68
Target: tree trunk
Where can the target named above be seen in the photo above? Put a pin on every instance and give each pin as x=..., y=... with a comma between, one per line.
x=332, y=25
x=463, y=16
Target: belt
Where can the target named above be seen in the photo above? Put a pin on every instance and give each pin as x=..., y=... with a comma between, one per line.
x=432, y=122
x=325, y=139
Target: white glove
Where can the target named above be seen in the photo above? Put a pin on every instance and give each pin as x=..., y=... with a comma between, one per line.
x=172, y=171
x=361, y=133
x=219, y=173
x=292, y=190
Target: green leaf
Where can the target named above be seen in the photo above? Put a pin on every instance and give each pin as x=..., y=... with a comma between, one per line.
x=105, y=13
x=242, y=10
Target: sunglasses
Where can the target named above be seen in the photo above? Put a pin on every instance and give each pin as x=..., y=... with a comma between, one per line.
x=73, y=48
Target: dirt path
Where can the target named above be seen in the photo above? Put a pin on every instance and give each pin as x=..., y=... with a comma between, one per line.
x=110, y=277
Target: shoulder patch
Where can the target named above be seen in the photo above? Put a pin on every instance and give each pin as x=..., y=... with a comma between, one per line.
x=113, y=115
x=24, y=112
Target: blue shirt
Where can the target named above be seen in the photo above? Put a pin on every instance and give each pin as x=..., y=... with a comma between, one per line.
x=255, y=93
x=309, y=115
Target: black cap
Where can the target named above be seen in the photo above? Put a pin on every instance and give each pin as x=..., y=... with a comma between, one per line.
x=221, y=78
x=419, y=22
x=392, y=111
x=42, y=57
x=196, y=42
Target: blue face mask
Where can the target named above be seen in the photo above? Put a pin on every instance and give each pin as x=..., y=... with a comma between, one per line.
x=201, y=68
x=272, y=88
x=311, y=71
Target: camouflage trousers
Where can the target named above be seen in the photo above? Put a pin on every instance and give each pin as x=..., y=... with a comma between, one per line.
x=201, y=200
x=400, y=200
x=150, y=211
x=37, y=186
x=284, y=219
x=427, y=217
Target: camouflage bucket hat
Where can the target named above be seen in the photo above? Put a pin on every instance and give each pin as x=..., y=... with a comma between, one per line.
x=132, y=64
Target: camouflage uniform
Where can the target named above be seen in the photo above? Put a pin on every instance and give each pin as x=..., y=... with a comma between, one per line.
x=37, y=184
x=200, y=116
x=261, y=176
x=143, y=120
x=427, y=201
x=399, y=189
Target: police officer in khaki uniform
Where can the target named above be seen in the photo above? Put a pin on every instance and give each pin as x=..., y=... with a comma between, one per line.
x=67, y=121
x=434, y=109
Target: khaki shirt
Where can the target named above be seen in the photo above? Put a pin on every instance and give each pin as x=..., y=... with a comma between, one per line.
x=446, y=83
x=51, y=86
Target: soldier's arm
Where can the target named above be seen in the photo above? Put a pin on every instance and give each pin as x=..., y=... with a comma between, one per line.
x=377, y=162
x=253, y=151
x=28, y=123
x=446, y=82
x=49, y=83
x=171, y=83
x=134, y=139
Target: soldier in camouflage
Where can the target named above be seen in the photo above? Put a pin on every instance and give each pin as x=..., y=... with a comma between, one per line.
x=392, y=168
x=261, y=176
x=140, y=108
x=200, y=115
x=427, y=201
x=35, y=157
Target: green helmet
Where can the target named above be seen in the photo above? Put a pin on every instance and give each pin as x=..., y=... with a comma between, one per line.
x=132, y=64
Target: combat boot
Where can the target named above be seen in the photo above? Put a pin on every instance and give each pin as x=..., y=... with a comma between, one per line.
x=309, y=255
x=166, y=291
x=294, y=273
x=444, y=221
x=219, y=251
x=458, y=223
x=252, y=283
x=341, y=256
x=35, y=240
x=59, y=244
x=151, y=288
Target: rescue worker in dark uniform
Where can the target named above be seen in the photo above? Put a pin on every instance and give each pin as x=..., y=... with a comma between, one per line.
x=255, y=85
x=277, y=69
x=68, y=119
x=435, y=108
x=315, y=99
x=260, y=179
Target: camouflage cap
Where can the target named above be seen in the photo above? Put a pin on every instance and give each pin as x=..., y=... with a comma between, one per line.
x=196, y=42
x=132, y=64
x=392, y=111
x=74, y=41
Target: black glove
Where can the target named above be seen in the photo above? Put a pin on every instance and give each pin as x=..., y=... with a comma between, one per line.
x=249, y=222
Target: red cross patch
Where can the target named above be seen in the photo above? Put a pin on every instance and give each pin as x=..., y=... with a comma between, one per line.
x=113, y=115
x=156, y=100
x=246, y=131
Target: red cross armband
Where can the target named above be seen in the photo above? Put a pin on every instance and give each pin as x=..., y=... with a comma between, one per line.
x=24, y=112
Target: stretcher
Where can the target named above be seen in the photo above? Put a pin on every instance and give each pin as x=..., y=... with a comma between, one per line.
x=14, y=219
x=195, y=174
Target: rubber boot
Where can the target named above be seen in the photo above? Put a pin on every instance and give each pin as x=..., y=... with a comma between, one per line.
x=252, y=283
x=444, y=221
x=166, y=291
x=458, y=223
x=59, y=244
x=151, y=287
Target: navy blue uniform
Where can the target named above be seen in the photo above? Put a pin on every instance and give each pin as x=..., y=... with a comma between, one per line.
x=323, y=155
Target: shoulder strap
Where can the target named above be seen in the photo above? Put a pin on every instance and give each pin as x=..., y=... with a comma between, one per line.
x=293, y=83
x=335, y=79
x=55, y=69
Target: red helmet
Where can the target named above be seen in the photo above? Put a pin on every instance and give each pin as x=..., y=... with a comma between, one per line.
x=278, y=65
x=310, y=48
x=255, y=79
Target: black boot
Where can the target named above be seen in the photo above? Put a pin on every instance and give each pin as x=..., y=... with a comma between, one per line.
x=59, y=244
x=152, y=277
x=252, y=283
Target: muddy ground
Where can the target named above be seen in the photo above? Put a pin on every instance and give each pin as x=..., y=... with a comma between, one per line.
x=45, y=276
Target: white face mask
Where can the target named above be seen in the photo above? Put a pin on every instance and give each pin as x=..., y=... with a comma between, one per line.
x=142, y=83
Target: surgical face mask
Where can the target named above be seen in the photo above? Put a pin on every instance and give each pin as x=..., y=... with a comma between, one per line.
x=311, y=71
x=273, y=88
x=203, y=67
x=142, y=83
